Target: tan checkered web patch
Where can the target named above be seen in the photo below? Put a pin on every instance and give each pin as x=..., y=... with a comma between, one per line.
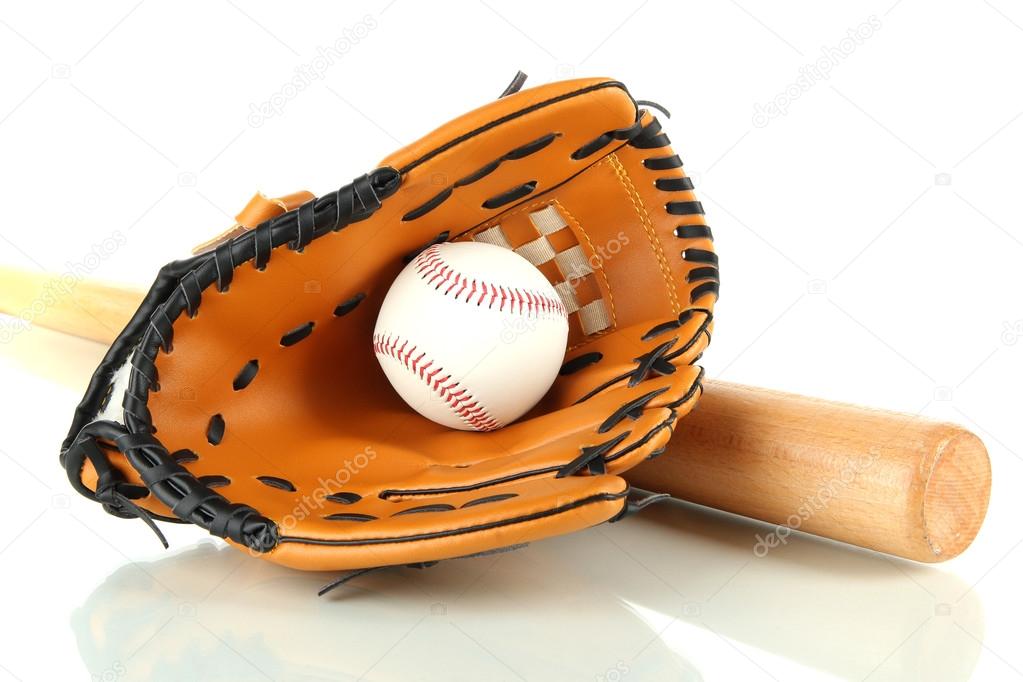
x=544, y=238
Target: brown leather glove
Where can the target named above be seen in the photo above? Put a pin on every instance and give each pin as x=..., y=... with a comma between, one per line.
x=244, y=395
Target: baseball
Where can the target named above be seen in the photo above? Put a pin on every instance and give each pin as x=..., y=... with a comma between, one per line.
x=471, y=335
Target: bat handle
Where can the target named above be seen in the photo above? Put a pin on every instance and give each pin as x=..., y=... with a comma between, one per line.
x=65, y=302
x=890, y=482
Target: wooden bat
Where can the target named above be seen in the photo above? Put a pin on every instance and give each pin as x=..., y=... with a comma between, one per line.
x=895, y=483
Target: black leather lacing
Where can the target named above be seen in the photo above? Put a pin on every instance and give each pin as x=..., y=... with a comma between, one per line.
x=351, y=575
x=708, y=277
x=653, y=362
x=515, y=85
x=637, y=501
x=334, y=584
x=593, y=458
x=653, y=105
x=627, y=134
x=656, y=361
x=112, y=490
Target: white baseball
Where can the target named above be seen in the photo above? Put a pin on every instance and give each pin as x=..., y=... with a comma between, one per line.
x=471, y=335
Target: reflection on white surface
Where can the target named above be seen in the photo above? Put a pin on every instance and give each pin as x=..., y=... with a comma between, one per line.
x=811, y=609
x=211, y=613
x=674, y=593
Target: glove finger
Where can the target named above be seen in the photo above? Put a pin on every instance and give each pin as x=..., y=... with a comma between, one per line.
x=620, y=427
x=610, y=433
x=448, y=525
x=630, y=356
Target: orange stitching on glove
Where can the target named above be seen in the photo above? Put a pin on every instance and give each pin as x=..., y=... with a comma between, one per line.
x=648, y=226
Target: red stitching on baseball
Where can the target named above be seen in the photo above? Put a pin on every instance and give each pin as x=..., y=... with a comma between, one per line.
x=460, y=401
x=431, y=266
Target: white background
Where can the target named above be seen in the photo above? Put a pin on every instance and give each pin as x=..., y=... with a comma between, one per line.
x=871, y=243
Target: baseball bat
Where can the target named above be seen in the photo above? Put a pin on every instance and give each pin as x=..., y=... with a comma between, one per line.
x=895, y=483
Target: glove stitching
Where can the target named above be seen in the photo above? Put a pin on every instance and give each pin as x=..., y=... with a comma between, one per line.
x=598, y=271
x=648, y=227
x=461, y=530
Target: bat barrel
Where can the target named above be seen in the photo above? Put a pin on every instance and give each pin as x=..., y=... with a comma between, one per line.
x=895, y=483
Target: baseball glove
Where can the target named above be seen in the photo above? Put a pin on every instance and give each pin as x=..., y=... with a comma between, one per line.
x=244, y=396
